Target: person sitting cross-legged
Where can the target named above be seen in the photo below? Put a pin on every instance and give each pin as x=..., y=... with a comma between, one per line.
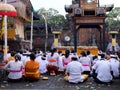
x=115, y=64
x=32, y=69
x=14, y=68
x=74, y=72
x=102, y=71
x=43, y=64
x=66, y=59
x=86, y=63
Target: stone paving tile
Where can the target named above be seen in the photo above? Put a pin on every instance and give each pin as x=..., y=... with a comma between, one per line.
x=58, y=83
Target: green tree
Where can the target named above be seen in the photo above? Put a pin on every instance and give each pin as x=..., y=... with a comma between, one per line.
x=54, y=19
x=113, y=19
x=57, y=21
x=40, y=12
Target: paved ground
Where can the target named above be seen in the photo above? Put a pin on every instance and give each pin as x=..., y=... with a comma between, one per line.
x=57, y=83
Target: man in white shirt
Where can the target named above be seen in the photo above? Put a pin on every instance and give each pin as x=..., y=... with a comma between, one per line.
x=115, y=65
x=43, y=63
x=102, y=69
x=73, y=72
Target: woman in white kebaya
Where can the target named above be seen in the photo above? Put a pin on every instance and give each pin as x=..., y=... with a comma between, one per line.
x=53, y=60
x=86, y=63
x=15, y=69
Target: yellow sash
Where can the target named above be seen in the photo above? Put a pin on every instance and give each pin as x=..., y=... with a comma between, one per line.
x=32, y=72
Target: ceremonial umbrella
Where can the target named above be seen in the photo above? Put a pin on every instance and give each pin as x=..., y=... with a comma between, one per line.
x=6, y=10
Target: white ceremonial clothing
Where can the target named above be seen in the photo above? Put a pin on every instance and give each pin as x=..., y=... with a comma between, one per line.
x=54, y=57
x=23, y=58
x=38, y=58
x=60, y=63
x=14, y=66
x=115, y=67
x=103, y=70
x=74, y=55
x=86, y=63
x=26, y=58
x=95, y=61
x=7, y=56
x=74, y=69
x=91, y=58
x=43, y=65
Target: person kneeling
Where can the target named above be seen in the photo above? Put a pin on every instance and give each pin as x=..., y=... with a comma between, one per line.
x=74, y=72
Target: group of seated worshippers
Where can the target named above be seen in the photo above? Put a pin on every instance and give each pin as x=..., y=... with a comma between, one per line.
x=17, y=70
x=103, y=68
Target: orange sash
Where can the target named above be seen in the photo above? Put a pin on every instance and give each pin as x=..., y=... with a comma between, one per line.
x=52, y=60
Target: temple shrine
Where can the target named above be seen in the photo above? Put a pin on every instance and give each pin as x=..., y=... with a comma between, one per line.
x=88, y=19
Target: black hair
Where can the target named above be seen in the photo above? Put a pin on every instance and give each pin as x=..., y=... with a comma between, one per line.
x=43, y=57
x=67, y=53
x=83, y=53
x=72, y=51
x=17, y=57
x=95, y=57
x=59, y=52
x=54, y=50
x=88, y=52
x=21, y=52
x=32, y=56
x=74, y=58
x=12, y=53
x=102, y=55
